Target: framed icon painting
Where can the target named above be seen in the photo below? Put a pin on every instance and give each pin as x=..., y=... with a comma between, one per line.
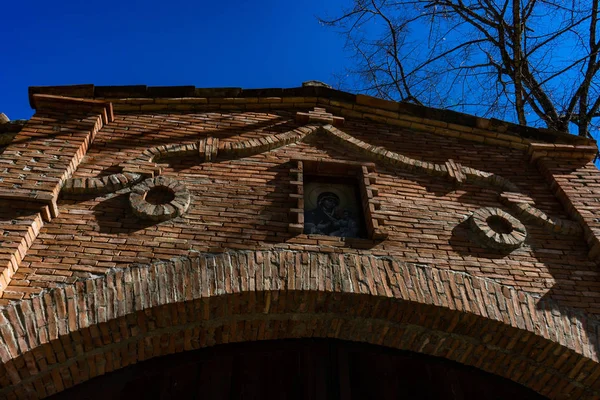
x=332, y=207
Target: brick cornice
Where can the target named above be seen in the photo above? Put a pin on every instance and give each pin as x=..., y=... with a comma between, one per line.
x=247, y=296
x=41, y=102
x=342, y=104
x=585, y=152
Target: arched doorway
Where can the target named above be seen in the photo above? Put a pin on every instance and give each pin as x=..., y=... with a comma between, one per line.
x=299, y=369
x=73, y=334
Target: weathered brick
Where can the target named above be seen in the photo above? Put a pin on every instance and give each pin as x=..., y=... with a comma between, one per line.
x=419, y=284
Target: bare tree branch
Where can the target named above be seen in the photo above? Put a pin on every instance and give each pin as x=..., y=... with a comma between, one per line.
x=538, y=58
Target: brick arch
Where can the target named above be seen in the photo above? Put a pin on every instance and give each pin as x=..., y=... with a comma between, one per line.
x=70, y=334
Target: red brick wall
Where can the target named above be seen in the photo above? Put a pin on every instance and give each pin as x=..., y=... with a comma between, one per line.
x=530, y=314
x=76, y=332
x=243, y=204
x=46, y=151
x=18, y=230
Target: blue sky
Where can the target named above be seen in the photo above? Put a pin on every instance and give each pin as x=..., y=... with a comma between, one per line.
x=235, y=43
x=249, y=44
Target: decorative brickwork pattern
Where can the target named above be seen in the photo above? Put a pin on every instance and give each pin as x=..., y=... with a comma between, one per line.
x=497, y=229
x=319, y=116
x=80, y=305
x=251, y=147
x=106, y=184
x=163, y=211
x=207, y=149
x=460, y=174
x=18, y=230
x=39, y=158
x=245, y=203
x=455, y=172
x=74, y=333
x=36, y=169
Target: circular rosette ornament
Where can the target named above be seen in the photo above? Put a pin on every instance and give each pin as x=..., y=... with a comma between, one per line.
x=159, y=199
x=496, y=229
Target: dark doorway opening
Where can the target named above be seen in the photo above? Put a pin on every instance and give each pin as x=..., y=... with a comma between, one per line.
x=299, y=369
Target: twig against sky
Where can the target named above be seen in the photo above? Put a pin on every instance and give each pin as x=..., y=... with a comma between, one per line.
x=531, y=61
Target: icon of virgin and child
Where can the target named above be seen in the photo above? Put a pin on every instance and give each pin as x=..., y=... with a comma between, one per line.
x=331, y=212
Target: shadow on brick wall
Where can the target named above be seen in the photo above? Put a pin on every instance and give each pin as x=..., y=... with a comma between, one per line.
x=113, y=215
x=575, y=293
x=172, y=128
x=576, y=286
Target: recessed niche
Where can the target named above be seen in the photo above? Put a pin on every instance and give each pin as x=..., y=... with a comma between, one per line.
x=334, y=198
x=332, y=207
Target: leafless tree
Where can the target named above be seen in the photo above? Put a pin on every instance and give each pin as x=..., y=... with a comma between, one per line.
x=531, y=61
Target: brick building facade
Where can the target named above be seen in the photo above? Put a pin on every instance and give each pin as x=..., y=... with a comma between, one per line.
x=144, y=221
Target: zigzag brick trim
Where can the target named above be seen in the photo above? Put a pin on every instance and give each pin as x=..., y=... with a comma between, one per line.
x=70, y=334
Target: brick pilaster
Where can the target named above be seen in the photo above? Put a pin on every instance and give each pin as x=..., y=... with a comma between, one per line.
x=34, y=167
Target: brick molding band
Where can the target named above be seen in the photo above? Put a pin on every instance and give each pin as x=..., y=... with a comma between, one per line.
x=144, y=166
x=73, y=333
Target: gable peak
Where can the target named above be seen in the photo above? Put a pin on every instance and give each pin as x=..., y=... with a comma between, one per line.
x=319, y=115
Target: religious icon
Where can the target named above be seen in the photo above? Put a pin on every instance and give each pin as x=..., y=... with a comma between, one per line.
x=332, y=209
